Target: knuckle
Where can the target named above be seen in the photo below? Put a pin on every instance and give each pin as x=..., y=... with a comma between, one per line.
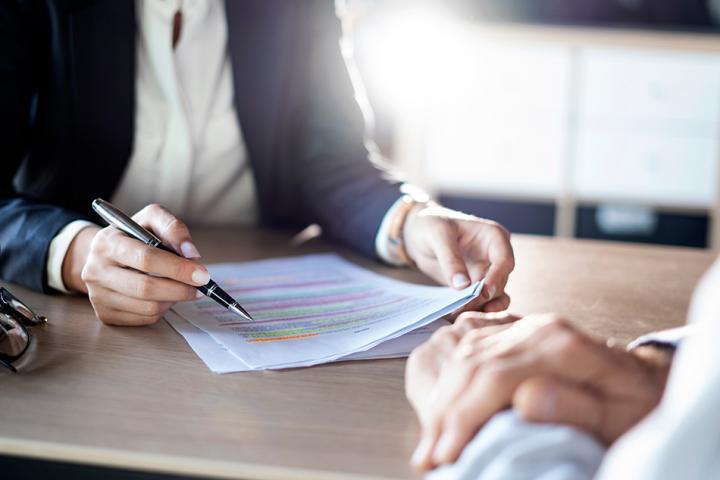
x=148, y=211
x=143, y=259
x=511, y=262
x=505, y=231
x=556, y=322
x=568, y=342
x=423, y=355
x=151, y=309
x=499, y=230
x=144, y=287
x=100, y=241
x=139, y=321
x=420, y=353
x=104, y=234
x=104, y=316
x=88, y=273
x=414, y=359
x=182, y=270
x=190, y=293
x=173, y=224
x=113, y=249
x=467, y=320
x=473, y=336
x=153, y=208
x=443, y=334
x=94, y=300
x=495, y=372
x=496, y=230
x=455, y=420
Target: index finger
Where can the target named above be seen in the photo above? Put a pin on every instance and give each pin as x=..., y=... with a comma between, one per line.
x=502, y=263
x=170, y=229
x=144, y=258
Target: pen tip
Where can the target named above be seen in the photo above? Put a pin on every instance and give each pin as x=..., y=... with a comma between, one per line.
x=237, y=310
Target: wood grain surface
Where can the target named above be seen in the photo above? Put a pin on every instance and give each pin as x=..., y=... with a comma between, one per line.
x=139, y=398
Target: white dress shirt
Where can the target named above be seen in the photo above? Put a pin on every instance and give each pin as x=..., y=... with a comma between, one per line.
x=188, y=152
x=681, y=437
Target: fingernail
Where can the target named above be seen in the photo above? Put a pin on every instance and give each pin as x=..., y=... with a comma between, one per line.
x=189, y=250
x=489, y=292
x=422, y=451
x=201, y=276
x=460, y=280
x=199, y=295
x=444, y=447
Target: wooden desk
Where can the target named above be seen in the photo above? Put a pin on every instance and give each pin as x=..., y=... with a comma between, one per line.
x=139, y=398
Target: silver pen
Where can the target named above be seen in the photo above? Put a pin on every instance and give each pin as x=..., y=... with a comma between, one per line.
x=118, y=219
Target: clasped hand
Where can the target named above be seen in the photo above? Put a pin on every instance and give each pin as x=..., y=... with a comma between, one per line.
x=540, y=365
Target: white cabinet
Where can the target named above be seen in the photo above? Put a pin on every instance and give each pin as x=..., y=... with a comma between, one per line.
x=646, y=168
x=649, y=85
x=520, y=156
x=573, y=117
x=647, y=128
x=506, y=134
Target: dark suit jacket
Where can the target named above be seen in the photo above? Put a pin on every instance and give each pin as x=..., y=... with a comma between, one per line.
x=67, y=94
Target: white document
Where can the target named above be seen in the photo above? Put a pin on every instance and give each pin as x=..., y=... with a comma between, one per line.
x=312, y=309
x=220, y=360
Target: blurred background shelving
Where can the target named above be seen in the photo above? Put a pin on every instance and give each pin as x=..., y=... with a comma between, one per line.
x=552, y=125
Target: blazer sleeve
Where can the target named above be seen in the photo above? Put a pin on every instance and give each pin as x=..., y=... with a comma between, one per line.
x=27, y=226
x=339, y=185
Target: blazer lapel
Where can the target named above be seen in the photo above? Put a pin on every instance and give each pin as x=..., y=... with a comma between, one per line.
x=102, y=38
x=259, y=34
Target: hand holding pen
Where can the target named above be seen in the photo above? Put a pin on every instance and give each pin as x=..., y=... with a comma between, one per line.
x=130, y=282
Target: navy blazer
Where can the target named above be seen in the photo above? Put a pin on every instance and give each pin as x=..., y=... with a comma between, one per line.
x=67, y=106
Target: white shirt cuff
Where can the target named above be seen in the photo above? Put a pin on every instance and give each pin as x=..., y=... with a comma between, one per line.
x=382, y=240
x=672, y=337
x=57, y=251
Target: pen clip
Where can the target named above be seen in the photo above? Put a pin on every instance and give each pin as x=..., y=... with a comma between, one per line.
x=117, y=218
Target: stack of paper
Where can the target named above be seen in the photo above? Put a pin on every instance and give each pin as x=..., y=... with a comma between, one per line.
x=310, y=310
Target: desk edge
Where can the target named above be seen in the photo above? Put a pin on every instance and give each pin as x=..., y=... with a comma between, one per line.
x=165, y=464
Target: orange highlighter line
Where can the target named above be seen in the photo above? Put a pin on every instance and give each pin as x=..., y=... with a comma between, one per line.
x=280, y=339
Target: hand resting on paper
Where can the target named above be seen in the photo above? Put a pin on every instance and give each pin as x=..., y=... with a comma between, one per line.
x=128, y=282
x=540, y=365
x=457, y=249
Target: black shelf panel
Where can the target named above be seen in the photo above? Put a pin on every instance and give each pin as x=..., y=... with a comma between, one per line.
x=518, y=217
x=676, y=15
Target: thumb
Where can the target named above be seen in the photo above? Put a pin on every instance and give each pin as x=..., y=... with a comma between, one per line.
x=170, y=229
x=447, y=251
x=547, y=400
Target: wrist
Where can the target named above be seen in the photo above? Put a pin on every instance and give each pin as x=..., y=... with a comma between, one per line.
x=657, y=360
x=397, y=235
x=75, y=259
x=410, y=226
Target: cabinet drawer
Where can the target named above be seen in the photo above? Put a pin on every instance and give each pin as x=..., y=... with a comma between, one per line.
x=518, y=155
x=648, y=168
x=650, y=84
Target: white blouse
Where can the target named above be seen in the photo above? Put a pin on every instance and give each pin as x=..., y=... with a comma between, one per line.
x=188, y=152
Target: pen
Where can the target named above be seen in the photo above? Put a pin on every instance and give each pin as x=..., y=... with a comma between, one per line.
x=115, y=217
